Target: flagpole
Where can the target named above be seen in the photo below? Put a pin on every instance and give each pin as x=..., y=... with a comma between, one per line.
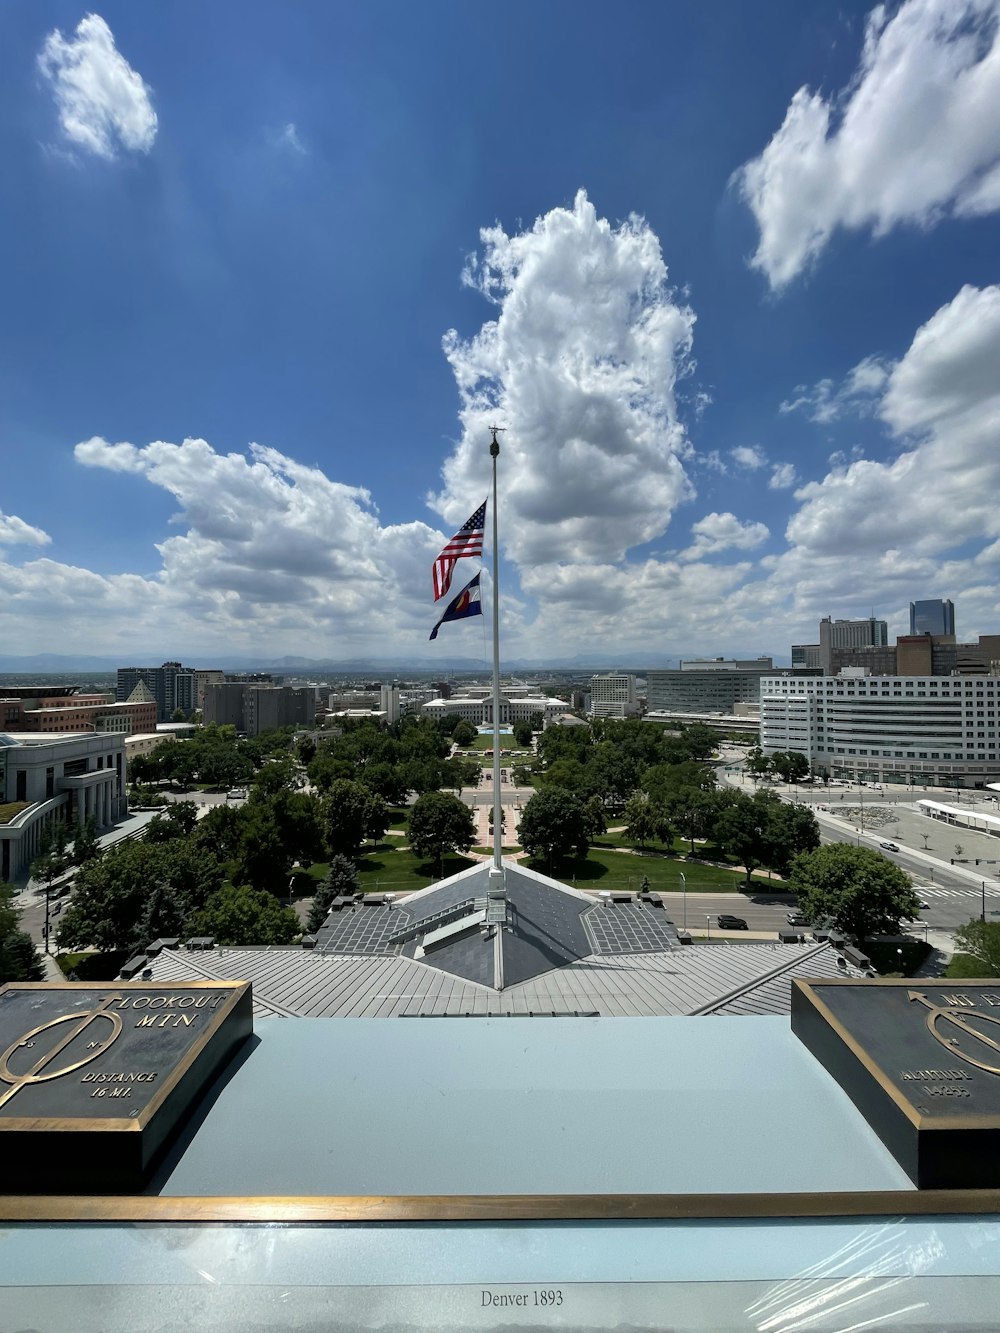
x=497, y=827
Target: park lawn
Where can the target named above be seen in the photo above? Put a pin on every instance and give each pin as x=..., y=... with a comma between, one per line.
x=607, y=868
x=93, y=966
x=486, y=743
x=398, y=815
x=964, y=965
x=392, y=869
x=505, y=851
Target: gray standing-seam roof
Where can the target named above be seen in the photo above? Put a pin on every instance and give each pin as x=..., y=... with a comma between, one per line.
x=696, y=979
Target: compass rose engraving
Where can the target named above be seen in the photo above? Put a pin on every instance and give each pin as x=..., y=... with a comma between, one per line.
x=962, y=1022
x=44, y=1068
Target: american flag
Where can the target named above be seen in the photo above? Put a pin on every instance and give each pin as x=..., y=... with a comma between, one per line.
x=468, y=540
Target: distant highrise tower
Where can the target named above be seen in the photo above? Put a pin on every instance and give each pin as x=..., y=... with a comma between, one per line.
x=932, y=617
x=870, y=633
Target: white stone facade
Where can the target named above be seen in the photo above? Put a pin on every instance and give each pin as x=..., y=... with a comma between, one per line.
x=69, y=778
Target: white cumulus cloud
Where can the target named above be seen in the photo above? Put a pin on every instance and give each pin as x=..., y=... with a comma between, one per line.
x=15, y=532
x=749, y=456
x=581, y=366
x=103, y=103
x=942, y=403
x=721, y=532
x=783, y=477
x=828, y=401
x=915, y=135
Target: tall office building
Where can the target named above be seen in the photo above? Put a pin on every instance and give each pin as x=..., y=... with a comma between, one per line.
x=932, y=617
x=171, y=685
x=868, y=633
x=613, y=695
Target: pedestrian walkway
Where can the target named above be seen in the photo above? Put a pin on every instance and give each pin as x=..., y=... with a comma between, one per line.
x=927, y=892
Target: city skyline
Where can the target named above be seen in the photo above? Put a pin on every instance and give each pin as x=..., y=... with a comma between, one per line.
x=728, y=284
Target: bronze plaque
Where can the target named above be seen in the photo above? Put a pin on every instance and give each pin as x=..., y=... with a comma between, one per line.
x=921, y=1061
x=94, y=1079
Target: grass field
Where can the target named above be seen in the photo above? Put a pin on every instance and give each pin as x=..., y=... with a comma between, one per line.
x=387, y=868
x=606, y=867
x=486, y=743
x=964, y=965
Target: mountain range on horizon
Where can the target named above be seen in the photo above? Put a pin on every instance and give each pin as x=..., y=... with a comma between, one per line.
x=52, y=663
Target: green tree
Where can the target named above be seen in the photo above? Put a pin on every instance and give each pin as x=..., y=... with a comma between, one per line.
x=341, y=880
x=761, y=830
x=536, y=721
x=221, y=830
x=464, y=734
x=792, y=830
x=178, y=715
x=345, y=817
x=521, y=773
x=238, y=915
x=523, y=735
x=278, y=831
x=279, y=775
x=440, y=823
x=85, y=844
x=699, y=740
x=177, y=821
x=756, y=763
x=860, y=891
x=641, y=822
x=164, y=915
x=19, y=958
x=462, y=773
x=111, y=894
x=790, y=765
x=385, y=780
x=568, y=773
x=692, y=810
x=980, y=940
x=596, y=818
x=306, y=749
x=377, y=819
x=554, y=826
x=612, y=774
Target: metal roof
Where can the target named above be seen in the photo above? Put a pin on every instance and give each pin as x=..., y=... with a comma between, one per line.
x=695, y=979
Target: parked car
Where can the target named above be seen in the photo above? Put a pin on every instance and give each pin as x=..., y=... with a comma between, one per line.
x=727, y=922
x=797, y=918
x=888, y=846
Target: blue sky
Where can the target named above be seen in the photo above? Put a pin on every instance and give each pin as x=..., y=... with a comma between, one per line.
x=726, y=273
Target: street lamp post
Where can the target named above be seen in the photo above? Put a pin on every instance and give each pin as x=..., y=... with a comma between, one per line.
x=982, y=915
x=708, y=923
x=684, y=892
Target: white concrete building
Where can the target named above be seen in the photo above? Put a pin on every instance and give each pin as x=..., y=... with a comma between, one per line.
x=613, y=695
x=56, y=778
x=931, y=730
x=516, y=705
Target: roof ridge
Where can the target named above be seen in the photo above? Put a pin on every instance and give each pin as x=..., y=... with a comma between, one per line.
x=761, y=980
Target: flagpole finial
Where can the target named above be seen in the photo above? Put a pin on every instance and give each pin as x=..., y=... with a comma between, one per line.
x=495, y=443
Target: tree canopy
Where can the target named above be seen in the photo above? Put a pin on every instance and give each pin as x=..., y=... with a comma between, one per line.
x=341, y=881
x=111, y=897
x=761, y=830
x=980, y=940
x=554, y=825
x=238, y=914
x=440, y=823
x=19, y=958
x=862, y=892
